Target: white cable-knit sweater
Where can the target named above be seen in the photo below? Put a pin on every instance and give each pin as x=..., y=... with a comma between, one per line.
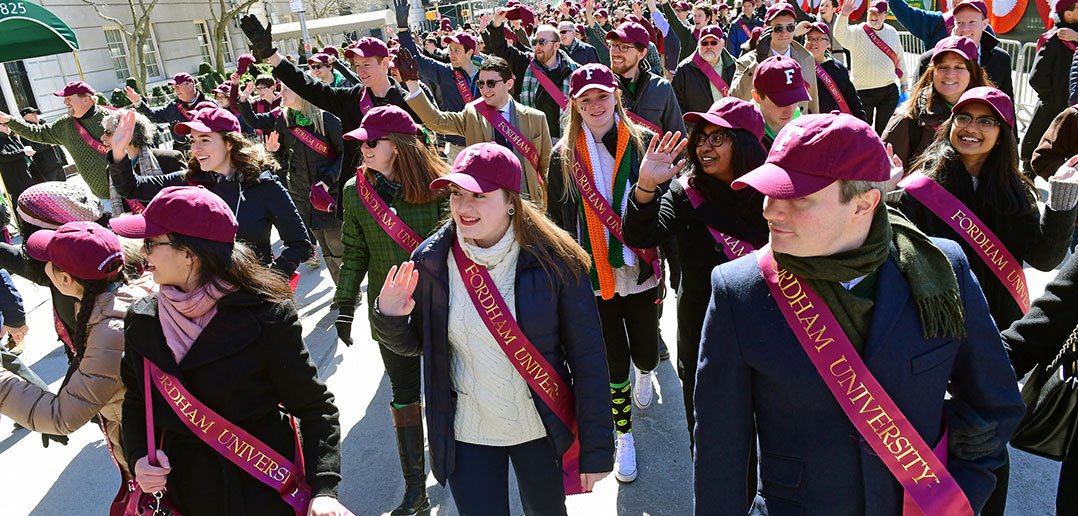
x=871, y=68
x=494, y=403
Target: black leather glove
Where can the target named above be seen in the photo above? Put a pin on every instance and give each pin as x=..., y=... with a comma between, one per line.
x=763, y=45
x=969, y=436
x=261, y=37
x=401, y=8
x=46, y=438
x=345, y=315
x=407, y=65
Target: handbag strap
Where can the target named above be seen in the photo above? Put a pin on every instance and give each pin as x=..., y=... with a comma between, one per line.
x=1070, y=345
x=151, y=448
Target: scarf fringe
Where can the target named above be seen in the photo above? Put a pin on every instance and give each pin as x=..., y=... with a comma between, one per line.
x=942, y=315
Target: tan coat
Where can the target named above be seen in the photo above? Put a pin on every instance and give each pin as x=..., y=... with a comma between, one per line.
x=476, y=129
x=95, y=388
x=746, y=65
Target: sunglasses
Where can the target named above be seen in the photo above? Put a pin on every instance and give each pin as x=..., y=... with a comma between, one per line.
x=370, y=144
x=319, y=66
x=710, y=42
x=565, y=31
x=984, y=123
x=489, y=83
x=147, y=246
x=780, y=29
x=714, y=139
x=107, y=133
x=543, y=41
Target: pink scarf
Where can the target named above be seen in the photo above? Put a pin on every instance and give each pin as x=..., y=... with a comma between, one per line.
x=185, y=314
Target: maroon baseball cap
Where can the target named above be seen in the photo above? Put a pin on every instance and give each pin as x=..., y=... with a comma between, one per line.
x=213, y=119
x=961, y=45
x=976, y=4
x=778, y=8
x=381, y=121
x=367, y=47
x=682, y=5
x=75, y=88
x=711, y=31
x=602, y=12
x=181, y=78
x=483, y=167
x=318, y=59
x=446, y=24
x=188, y=210
x=1063, y=5
x=321, y=199
x=243, y=62
x=879, y=6
x=331, y=50
x=461, y=38
x=630, y=32
x=998, y=101
x=580, y=29
x=592, y=76
x=822, y=28
x=731, y=113
x=86, y=250
x=780, y=79
x=813, y=151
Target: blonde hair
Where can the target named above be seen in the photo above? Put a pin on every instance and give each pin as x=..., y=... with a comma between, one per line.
x=310, y=111
x=571, y=122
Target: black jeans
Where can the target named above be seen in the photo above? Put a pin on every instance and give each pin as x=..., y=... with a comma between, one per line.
x=404, y=375
x=630, y=330
x=480, y=479
x=879, y=104
x=1066, y=494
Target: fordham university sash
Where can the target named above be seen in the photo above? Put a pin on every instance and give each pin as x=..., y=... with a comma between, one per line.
x=403, y=235
x=541, y=377
x=744, y=27
x=462, y=86
x=733, y=247
x=500, y=124
x=711, y=74
x=602, y=210
x=961, y=219
x=365, y=102
x=184, y=111
x=313, y=142
x=881, y=424
x=890, y=52
x=553, y=90
x=234, y=443
x=825, y=77
x=94, y=143
x=640, y=120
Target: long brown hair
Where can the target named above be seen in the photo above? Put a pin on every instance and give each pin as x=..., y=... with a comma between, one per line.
x=915, y=108
x=249, y=158
x=416, y=165
x=571, y=122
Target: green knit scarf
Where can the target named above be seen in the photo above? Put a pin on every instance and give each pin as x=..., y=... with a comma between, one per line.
x=932, y=281
x=300, y=118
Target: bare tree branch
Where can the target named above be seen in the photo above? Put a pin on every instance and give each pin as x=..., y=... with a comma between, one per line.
x=106, y=17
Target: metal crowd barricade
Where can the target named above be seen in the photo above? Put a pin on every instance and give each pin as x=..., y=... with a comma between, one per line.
x=1025, y=98
x=912, y=48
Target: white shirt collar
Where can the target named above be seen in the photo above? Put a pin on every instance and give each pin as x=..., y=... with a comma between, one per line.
x=787, y=54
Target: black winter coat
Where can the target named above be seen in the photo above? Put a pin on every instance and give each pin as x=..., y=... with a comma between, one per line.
x=560, y=319
x=248, y=362
x=170, y=113
x=652, y=98
x=259, y=205
x=1039, y=240
x=1049, y=78
x=693, y=89
x=519, y=61
x=303, y=165
x=841, y=76
x=995, y=61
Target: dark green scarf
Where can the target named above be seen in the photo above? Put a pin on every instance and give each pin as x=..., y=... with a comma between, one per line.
x=933, y=285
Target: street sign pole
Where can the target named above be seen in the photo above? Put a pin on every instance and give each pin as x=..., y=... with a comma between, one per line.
x=297, y=7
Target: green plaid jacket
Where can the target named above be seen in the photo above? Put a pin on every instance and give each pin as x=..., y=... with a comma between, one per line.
x=368, y=250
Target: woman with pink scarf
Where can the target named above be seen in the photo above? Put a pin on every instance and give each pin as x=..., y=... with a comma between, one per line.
x=223, y=331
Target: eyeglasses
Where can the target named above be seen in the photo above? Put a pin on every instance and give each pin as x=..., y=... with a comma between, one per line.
x=709, y=42
x=263, y=88
x=622, y=47
x=984, y=123
x=147, y=246
x=107, y=133
x=370, y=144
x=780, y=29
x=818, y=40
x=714, y=139
x=489, y=83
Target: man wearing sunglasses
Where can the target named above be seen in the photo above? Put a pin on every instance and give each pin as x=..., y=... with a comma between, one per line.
x=876, y=60
x=485, y=123
x=181, y=109
x=646, y=95
x=696, y=89
x=321, y=67
x=546, y=58
x=578, y=51
x=777, y=39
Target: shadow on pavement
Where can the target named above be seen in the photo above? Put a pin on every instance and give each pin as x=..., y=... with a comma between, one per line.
x=85, y=486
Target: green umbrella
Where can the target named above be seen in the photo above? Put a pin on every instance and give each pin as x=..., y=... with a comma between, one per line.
x=29, y=30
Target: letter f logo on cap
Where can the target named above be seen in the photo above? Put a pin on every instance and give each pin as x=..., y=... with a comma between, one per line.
x=588, y=71
x=789, y=76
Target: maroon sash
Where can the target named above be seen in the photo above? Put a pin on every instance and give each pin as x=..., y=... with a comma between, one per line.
x=601, y=208
x=711, y=74
x=62, y=332
x=876, y=40
x=234, y=443
x=548, y=85
x=961, y=219
x=184, y=111
x=640, y=120
x=541, y=377
x=403, y=235
x=881, y=424
x=733, y=247
x=822, y=75
x=89, y=139
x=313, y=142
x=744, y=27
x=462, y=86
x=1048, y=35
x=500, y=124
x=365, y=102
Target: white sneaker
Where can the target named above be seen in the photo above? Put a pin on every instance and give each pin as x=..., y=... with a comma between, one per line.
x=644, y=390
x=625, y=459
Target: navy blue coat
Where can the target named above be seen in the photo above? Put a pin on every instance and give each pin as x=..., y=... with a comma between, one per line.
x=812, y=459
x=565, y=329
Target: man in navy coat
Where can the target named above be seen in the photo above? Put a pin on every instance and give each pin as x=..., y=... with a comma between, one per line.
x=881, y=278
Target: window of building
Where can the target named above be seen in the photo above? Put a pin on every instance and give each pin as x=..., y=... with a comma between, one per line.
x=118, y=52
x=205, y=47
x=149, y=53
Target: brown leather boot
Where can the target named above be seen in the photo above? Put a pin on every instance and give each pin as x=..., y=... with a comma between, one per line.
x=408, y=422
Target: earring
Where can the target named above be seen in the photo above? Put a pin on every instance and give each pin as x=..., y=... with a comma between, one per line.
x=511, y=211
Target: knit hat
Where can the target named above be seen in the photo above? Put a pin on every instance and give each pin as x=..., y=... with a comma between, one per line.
x=52, y=204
